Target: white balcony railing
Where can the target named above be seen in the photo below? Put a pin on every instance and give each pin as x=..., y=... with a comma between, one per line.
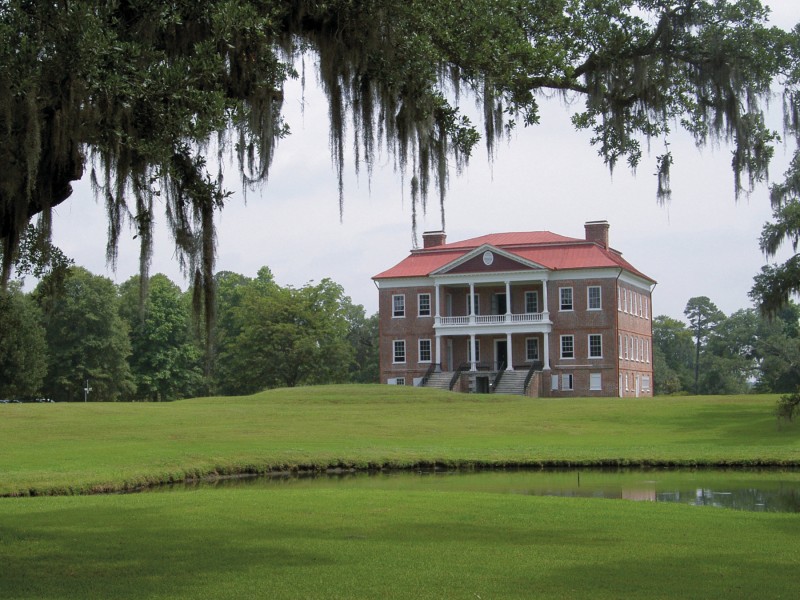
x=489, y=319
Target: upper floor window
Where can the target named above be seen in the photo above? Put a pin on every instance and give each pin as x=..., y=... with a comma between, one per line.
x=567, y=346
x=595, y=345
x=424, y=305
x=399, y=351
x=593, y=297
x=565, y=295
x=398, y=305
x=531, y=302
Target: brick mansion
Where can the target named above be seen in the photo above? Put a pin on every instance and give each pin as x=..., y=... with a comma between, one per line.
x=531, y=313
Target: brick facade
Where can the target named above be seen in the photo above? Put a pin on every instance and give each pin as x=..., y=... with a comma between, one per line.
x=584, y=324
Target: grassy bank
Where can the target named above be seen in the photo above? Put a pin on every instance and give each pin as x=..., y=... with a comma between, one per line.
x=367, y=543
x=63, y=448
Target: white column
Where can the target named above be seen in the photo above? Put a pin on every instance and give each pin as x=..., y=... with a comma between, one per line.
x=546, y=310
x=439, y=351
x=436, y=310
x=508, y=304
x=473, y=364
x=471, y=303
x=546, y=351
x=510, y=365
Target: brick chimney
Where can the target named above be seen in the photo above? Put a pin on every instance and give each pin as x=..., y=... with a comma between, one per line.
x=433, y=238
x=597, y=231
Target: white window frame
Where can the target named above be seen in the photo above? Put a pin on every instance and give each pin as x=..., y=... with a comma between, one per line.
x=646, y=383
x=595, y=382
x=395, y=345
x=535, y=295
x=567, y=382
x=400, y=381
x=554, y=382
x=527, y=348
x=563, y=339
x=419, y=305
x=429, y=350
x=398, y=306
x=599, y=336
x=562, y=304
x=599, y=297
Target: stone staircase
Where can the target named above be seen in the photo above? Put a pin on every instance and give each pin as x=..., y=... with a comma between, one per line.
x=512, y=382
x=440, y=380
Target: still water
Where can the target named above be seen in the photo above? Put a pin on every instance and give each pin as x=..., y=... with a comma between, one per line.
x=766, y=490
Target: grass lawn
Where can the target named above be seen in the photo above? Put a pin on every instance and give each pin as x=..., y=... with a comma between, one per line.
x=62, y=448
x=368, y=543
x=387, y=540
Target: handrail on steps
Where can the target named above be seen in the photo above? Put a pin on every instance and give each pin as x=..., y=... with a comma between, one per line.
x=535, y=366
x=501, y=369
x=461, y=368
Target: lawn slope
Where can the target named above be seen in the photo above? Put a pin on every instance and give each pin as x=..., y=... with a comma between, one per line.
x=69, y=448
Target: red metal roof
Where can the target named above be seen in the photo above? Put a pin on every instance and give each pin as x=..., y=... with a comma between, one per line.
x=553, y=251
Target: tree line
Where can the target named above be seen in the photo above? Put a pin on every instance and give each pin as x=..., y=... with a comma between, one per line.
x=718, y=354
x=85, y=337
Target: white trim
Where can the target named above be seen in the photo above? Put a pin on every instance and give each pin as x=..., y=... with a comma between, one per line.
x=589, y=347
x=476, y=252
x=561, y=346
x=591, y=287
x=561, y=301
x=403, y=316
x=419, y=351
x=394, y=352
x=430, y=305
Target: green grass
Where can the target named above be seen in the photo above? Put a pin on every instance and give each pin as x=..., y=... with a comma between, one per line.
x=382, y=537
x=63, y=448
x=373, y=543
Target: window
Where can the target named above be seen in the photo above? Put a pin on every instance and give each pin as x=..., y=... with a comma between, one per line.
x=646, y=382
x=595, y=382
x=399, y=351
x=620, y=345
x=627, y=356
x=401, y=381
x=565, y=295
x=647, y=351
x=531, y=302
x=566, y=381
x=595, y=345
x=554, y=382
x=619, y=298
x=424, y=351
x=532, y=349
x=398, y=305
x=424, y=305
x=477, y=351
x=646, y=309
x=624, y=300
x=476, y=302
x=593, y=297
x=641, y=310
x=567, y=346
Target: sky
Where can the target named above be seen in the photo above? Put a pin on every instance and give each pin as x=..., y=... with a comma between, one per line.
x=548, y=177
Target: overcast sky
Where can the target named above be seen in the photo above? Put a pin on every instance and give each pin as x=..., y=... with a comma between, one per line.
x=703, y=243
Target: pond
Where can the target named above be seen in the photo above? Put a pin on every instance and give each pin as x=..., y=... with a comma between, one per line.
x=766, y=490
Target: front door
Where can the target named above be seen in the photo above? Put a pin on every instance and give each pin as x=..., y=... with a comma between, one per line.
x=500, y=354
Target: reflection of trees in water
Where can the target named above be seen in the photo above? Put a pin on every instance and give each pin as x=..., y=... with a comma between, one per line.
x=781, y=499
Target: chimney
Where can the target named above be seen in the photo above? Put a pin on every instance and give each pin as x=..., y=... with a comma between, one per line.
x=597, y=231
x=433, y=238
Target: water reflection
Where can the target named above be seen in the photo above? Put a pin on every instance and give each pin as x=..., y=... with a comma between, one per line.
x=766, y=490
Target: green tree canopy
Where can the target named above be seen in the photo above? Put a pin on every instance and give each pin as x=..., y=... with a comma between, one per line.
x=165, y=360
x=703, y=316
x=133, y=91
x=86, y=338
x=23, y=350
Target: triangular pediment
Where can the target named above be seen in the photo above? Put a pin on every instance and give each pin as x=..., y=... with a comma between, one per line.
x=487, y=259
